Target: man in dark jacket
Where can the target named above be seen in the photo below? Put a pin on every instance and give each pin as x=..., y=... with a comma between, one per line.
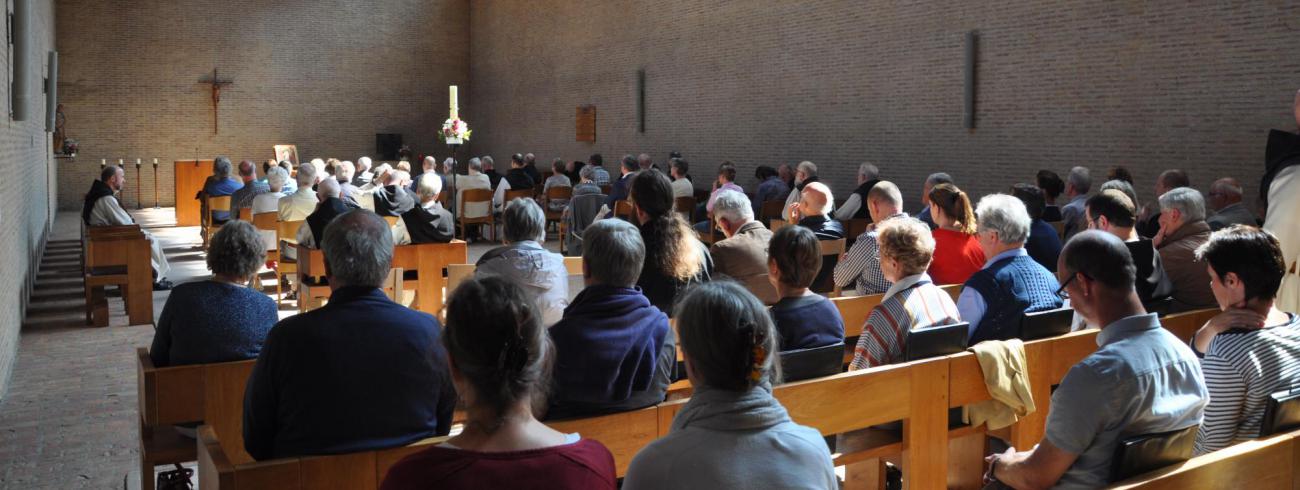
x=812, y=211
x=428, y=222
x=614, y=350
x=358, y=374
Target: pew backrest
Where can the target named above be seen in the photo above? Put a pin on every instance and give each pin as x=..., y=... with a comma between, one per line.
x=1145, y=452
x=854, y=311
x=935, y=341
x=1184, y=325
x=1261, y=463
x=1281, y=413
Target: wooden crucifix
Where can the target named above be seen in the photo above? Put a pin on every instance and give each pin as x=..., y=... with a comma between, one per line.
x=215, y=82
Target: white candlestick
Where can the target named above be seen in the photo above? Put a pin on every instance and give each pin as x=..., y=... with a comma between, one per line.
x=455, y=103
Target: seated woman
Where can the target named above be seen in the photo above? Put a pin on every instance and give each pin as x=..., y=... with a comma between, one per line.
x=218, y=320
x=523, y=261
x=501, y=359
x=219, y=184
x=804, y=319
x=675, y=258
x=957, y=254
x=732, y=433
x=912, y=302
x=1252, y=349
x=557, y=179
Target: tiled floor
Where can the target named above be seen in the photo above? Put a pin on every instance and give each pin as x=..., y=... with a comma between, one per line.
x=70, y=419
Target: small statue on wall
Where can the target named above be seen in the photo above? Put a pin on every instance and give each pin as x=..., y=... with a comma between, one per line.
x=60, y=135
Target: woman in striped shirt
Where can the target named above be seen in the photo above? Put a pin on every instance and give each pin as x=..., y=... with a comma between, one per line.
x=913, y=301
x=1251, y=349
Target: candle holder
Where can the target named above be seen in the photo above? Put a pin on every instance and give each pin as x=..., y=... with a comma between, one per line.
x=155, y=184
x=139, y=189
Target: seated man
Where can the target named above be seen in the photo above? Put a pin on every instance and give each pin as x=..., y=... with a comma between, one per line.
x=855, y=207
x=583, y=208
x=428, y=222
x=1077, y=185
x=1182, y=230
x=330, y=207
x=359, y=373
x=391, y=198
x=1141, y=379
x=523, y=261
x=619, y=190
x=1043, y=245
x=243, y=198
x=344, y=172
x=1011, y=284
x=102, y=209
x=743, y=254
x=813, y=212
x=1252, y=349
x=913, y=301
x=803, y=318
x=614, y=351
x=861, y=265
x=1112, y=212
x=219, y=184
x=1225, y=199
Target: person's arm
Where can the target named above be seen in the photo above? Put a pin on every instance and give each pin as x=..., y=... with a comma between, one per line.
x=1040, y=467
x=1227, y=320
x=971, y=308
x=667, y=367
x=260, y=402
x=1227, y=398
x=849, y=208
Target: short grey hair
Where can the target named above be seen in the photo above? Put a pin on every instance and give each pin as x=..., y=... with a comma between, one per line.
x=429, y=186
x=276, y=177
x=1121, y=186
x=1004, y=214
x=489, y=162
x=734, y=206
x=869, y=171
x=221, y=167
x=1227, y=186
x=475, y=164
x=306, y=175
x=328, y=188
x=1187, y=201
x=807, y=167
x=344, y=171
x=358, y=248
x=886, y=191
x=447, y=164
x=588, y=172
x=364, y=163
x=1081, y=179
x=613, y=252
x=236, y=250
x=523, y=220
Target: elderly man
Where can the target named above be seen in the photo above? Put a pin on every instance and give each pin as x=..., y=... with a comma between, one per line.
x=644, y=162
x=614, y=351
x=388, y=382
x=1113, y=212
x=474, y=179
x=813, y=212
x=1077, y=185
x=601, y=177
x=861, y=264
x=786, y=174
x=805, y=173
x=530, y=167
x=1225, y=199
x=679, y=169
x=300, y=204
x=770, y=188
x=101, y=208
x=344, y=172
x=1011, y=283
x=220, y=183
x=330, y=207
x=490, y=169
x=364, y=175
x=1141, y=379
x=1149, y=219
x=392, y=198
x=243, y=198
x=743, y=254
x=523, y=261
x=1182, y=230
x=930, y=181
x=428, y=222
x=619, y=191
x=854, y=207
x=584, y=208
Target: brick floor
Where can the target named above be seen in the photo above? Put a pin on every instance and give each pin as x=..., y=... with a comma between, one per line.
x=70, y=419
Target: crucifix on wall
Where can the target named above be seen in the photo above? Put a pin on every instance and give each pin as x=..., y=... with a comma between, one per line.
x=215, y=82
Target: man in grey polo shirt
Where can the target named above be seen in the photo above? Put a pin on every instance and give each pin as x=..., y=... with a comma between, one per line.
x=1141, y=379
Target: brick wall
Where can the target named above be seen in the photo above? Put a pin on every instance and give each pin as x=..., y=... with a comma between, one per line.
x=324, y=75
x=27, y=193
x=1147, y=85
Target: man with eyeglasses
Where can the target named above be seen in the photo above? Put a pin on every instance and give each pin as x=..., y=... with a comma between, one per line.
x=1141, y=379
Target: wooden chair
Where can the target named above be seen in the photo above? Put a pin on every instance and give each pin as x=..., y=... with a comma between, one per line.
x=287, y=237
x=312, y=286
x=246, y=214
x=512, y=194
x=777, y=224
x=213, y=205
x=458, y=273
x=555, y=193
x=854, y=227
x=392, y=220
x=771, y=210
x=605, y=189
x=833, y=248
x=1184, y=325
x=623, y=209
x=574, y=265
x=393, y=285
x=428, y=261
x=476, y=196
x=269, y=222
x=686, y=206
x=169, y=396
x=117, y=256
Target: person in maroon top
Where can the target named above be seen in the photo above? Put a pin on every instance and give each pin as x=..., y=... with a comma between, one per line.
x=501, y=359
x=957, y=254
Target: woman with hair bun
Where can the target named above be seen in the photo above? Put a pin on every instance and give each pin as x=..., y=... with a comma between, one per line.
x=501, y=359
x=732, y=433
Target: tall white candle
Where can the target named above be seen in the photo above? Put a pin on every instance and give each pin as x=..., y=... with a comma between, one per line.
x=455, y=104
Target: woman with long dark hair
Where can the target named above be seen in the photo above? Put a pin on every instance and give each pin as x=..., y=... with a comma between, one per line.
x=674, y=258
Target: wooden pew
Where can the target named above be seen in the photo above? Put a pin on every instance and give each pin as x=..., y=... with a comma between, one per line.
x=1261, y=463
x=427, y=260
x=1184, y=325
x=169, y=396
x=117, y=255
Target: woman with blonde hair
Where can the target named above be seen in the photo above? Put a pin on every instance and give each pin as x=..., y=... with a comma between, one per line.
x=675, y=258
x=957, y=254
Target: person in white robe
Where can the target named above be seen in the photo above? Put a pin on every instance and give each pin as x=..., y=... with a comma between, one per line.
x=103, y=209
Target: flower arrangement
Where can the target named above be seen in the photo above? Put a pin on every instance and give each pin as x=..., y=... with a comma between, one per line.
x=455, y=131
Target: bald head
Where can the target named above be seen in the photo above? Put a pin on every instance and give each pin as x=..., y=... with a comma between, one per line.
x=1224, y=192
x=326, y=189
x=247, y=170
x=815, y=200
x=1100, y=256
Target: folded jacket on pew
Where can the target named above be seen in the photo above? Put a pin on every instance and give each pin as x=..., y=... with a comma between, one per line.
x=1005, y=376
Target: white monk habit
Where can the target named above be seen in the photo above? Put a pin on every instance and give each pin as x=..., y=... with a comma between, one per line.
x=108, y=212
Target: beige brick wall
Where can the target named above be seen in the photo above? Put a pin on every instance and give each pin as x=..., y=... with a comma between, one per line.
x=27, y=191
x=325, y=75
x=1148, y=85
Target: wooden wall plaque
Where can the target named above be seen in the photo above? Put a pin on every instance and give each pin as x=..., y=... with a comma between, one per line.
x=586, y=123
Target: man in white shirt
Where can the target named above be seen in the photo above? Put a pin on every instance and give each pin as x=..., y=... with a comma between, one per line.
x=296, y=206
x=102, y=209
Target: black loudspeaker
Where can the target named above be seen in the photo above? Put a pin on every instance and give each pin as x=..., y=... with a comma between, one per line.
x=387, y=145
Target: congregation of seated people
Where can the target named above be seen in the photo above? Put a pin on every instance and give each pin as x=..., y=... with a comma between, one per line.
x=518, y=348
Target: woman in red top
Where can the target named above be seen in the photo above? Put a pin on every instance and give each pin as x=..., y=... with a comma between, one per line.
x=501, y=359
x=957, y=254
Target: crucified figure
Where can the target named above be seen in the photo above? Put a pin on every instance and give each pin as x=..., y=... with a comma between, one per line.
x=216, y=83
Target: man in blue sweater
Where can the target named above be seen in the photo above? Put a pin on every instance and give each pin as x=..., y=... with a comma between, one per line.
x=1011, y=283
x=361, y=373
x=614, y=350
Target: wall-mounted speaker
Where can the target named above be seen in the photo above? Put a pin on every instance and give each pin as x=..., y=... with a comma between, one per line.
x=387, y=145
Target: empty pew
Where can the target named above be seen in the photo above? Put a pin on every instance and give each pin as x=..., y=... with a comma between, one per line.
x=117, y=255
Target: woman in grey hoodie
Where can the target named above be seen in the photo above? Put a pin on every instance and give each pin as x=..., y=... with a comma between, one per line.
x=732, y=433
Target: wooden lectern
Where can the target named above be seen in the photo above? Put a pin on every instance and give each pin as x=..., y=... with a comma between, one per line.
x=190, y=177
